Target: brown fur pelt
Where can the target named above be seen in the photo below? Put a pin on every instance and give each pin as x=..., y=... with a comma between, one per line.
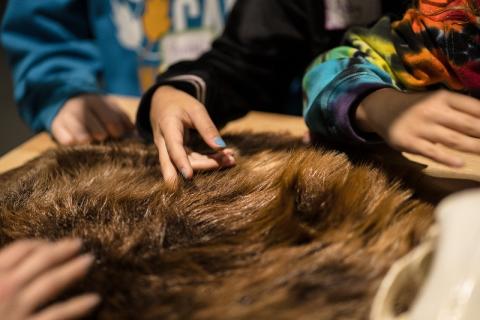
x=289, y=233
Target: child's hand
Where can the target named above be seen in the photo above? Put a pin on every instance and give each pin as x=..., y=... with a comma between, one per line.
x=88, y=118
x=172, y=113
x=33, y=272
x=417, y=122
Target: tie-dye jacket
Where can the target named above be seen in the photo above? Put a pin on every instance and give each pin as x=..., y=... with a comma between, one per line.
x=435, y=44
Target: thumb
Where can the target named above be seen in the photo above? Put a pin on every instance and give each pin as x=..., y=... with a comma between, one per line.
x=207, y=129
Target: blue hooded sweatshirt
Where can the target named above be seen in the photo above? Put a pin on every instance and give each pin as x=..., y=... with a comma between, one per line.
x=62, y=48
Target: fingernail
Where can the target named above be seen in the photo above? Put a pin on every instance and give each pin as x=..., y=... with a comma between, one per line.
x=219, y=142
x=459, y=163
x=184, y=173
x=87, y=259
x=95, y=298
x=74, y=242
x=92, y=299
x=229, y=161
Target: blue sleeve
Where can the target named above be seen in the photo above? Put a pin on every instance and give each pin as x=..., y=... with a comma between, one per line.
x=333, y=86
x=52, y=53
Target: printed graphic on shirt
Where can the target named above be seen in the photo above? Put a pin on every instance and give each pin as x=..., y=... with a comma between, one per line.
x=125, y=15
x=156, y=20
x=341, y=14
x=163, y=32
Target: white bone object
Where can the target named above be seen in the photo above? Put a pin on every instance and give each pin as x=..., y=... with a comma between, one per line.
x=451, y=290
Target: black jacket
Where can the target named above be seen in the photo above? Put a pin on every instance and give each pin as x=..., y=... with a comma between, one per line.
x=265, y=45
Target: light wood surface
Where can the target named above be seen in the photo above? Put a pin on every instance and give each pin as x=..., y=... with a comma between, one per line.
x=471, y=170
x=255, y=122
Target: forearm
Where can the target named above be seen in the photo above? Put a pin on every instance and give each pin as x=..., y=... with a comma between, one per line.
x=52, y=56
x=340, y=79
x=334, y=86
x=371, y=111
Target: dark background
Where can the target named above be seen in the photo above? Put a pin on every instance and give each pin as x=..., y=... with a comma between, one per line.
x=12, y=129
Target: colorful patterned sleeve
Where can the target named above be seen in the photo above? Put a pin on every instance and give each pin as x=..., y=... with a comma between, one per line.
x=340, y=78
x=435, y=45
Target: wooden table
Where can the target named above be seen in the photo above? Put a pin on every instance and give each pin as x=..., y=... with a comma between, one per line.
x=269, y=122
x=255, y=122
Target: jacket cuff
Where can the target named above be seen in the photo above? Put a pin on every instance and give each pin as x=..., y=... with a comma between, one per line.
x=340, y=101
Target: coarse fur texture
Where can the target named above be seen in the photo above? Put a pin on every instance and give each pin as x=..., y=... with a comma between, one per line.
x=291, y=232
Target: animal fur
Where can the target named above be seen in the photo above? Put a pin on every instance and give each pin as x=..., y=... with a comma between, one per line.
x=289, y=233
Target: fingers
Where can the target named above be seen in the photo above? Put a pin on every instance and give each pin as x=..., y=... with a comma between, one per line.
x=38, y=272
x=11, y=255
x=70, y=130
x=43, y=259
x=172, y=131
x=195, y=161
x=71, y=309
x=77, y=129
x=112, y=103
x=459, y=121
x=113, y=118
x=94, y=126
x=76, y=123
x=435, y=153
x=307, y=138
x=464, y=103
x=125, y=119
x=222, y=159
x=52, y=282
x=203, y=163
x=206, y=128
x=88, y=118
x=171, y=113
x=453, y=139
x=168, y=169
x=61, y=134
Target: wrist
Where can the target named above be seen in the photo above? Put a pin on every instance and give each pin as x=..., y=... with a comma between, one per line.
x=162, y=90
x=371, y=109
x=361, y=118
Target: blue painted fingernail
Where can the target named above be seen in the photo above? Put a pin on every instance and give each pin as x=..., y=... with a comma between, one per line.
x=219, y=142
